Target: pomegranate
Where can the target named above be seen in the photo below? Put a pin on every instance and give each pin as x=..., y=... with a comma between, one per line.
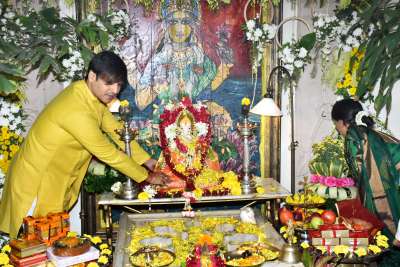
x=285, y=215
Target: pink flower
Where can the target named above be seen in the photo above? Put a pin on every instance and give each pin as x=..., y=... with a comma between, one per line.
x=330, y=181
x=345, y=182
x=341, y=182
x=315, y=179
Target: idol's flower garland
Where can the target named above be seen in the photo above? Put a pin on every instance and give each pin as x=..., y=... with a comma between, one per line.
x=380, y=243
x=170, y=138
x=185, y=236
x=105, y=258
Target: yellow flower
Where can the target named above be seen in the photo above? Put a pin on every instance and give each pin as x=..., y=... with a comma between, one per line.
x=382, y=243
x=321, y=248
x=245, y=101
x=283, y=229
x=93, y=264
x=71, y=234
x=180, y=168
x=352, y=91
x=375, y=249
x=6, y=248
x=143, y=196
x=103, y=260
x=4, y=259
x=294, y=239
x=305, y=245
x=106, y=252
x=124, y=103
x=260, y=190
x=95, y=240
x=380, y=237
x=360, y=252
x=341, y=249
x=339, y=85
x=236, y=190
x=103, y=246
x=198, y=192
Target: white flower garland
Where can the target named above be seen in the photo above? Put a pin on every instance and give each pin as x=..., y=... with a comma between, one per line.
x=259, y=35
x=359, y=117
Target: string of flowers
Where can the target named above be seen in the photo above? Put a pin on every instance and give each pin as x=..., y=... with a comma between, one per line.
x=259, y=35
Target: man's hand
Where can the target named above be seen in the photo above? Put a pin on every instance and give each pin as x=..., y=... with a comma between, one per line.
x=158, y=178
x=150, y=164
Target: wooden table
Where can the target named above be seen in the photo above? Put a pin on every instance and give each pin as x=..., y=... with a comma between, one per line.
x=274, y=191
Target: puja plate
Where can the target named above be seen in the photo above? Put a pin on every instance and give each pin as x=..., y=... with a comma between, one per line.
x=152, y=257
x=243, y=259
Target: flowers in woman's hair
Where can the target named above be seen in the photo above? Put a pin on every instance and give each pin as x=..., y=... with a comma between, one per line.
x=359, y=116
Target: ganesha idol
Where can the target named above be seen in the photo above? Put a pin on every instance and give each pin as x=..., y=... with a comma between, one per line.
x=185, y=137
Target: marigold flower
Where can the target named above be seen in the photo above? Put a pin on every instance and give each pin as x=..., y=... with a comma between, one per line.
x=360, y=252
x=305, y=245
x=375, y=249
x=93, y=264
x=6, y=249
x=105, y=251
x=103, y=246
x=143, y=196
x=103, y=260
x=4, y=259
x=341, y=249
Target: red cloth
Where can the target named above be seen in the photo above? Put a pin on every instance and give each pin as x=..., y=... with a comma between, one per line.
x=353, y=208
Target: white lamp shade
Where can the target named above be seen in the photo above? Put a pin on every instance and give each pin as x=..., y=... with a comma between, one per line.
x=266, y=107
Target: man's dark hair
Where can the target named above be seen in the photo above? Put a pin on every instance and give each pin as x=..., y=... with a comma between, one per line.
x=109, y=67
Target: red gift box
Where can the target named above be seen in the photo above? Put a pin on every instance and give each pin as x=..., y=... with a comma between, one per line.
x=318, y=241
x=354, y=242
x=28, y=261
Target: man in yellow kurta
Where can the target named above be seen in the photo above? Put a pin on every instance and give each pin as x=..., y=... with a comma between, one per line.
x=52, y=161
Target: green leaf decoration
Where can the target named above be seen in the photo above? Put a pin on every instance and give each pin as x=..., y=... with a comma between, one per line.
x=7, y=86
x=308, y=41
x=11, y=70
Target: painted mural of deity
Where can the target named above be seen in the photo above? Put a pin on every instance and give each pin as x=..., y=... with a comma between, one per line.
x=178, y=65
x=183, y=50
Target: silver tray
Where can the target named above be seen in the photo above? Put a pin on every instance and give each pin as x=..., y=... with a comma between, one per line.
x=121, y=254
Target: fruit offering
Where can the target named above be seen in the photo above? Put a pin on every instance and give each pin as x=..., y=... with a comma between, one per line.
x=300, y=199
x=285, y=215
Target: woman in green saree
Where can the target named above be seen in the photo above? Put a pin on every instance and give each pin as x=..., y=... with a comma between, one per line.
x=374, y=160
